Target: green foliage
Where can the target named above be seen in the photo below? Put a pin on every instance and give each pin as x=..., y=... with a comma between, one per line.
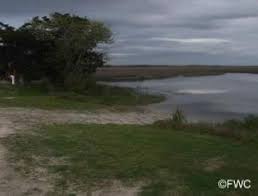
x=177, y=120
x=78, y=82
x=20, y=53
x=179, y=117
x=60, y=47
x=251, y=122
x=74, y=41
x=245, y=130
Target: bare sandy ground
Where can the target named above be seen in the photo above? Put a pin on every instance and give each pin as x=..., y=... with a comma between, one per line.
x=15, y=119
x=11, y=183
x=31, y=116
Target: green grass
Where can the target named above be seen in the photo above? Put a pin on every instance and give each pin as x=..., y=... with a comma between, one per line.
x=167, y=160
x=245, y=130
x=95, y=98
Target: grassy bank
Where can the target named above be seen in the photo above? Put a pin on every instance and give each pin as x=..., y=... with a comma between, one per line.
x=168, y=159
x=245, y=130
x=97, y=97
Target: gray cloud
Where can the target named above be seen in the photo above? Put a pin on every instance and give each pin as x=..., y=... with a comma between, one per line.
x=164, y=31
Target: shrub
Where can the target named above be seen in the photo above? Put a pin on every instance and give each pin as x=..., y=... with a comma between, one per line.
x=178, y=117
x=251, y=122
x=178, y=120
x=79, y=82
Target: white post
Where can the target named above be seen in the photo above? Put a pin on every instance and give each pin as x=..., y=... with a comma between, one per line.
x=12, y=79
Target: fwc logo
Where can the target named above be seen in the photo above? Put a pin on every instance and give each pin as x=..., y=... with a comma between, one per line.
x=234, y=183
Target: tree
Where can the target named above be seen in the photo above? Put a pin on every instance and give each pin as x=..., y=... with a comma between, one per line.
x=20, y=53
x=73, y=44
x=60, y=47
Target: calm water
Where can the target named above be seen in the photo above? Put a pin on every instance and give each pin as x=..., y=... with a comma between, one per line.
x=213, y=98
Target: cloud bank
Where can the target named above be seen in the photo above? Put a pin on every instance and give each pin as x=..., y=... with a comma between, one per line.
x=164, y=31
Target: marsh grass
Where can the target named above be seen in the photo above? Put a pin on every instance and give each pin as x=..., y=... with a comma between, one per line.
x=244, y=130
x=178, y=118
x=133, y=73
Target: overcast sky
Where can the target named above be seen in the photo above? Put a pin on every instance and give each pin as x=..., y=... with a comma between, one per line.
x=161, y=31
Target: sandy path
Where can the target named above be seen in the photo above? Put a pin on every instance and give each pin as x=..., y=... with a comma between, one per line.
x=11, y=183
x=28, y=116
x=13, y=119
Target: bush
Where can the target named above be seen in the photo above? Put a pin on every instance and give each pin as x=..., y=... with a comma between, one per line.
x=178, y=117
x=245, y=130
x=79, y=82
x=178, y=120
x=251, y=122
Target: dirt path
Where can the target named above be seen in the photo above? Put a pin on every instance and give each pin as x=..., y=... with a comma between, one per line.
x=28, y=116
x=13, y=119
x=11, y=183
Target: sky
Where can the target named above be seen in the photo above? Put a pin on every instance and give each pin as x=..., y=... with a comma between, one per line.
x=161, y=32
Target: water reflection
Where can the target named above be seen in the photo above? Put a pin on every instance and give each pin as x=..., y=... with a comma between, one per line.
x=212, y=98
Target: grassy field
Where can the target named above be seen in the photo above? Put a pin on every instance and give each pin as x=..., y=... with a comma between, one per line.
x=99, y=97
x=168, y=158
x=114, y=73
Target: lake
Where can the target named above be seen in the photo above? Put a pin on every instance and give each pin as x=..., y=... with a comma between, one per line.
x=205, y=98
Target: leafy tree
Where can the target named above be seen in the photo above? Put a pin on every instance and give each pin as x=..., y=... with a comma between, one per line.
x=62, y=47
x=20, y=52
x=74, y=44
